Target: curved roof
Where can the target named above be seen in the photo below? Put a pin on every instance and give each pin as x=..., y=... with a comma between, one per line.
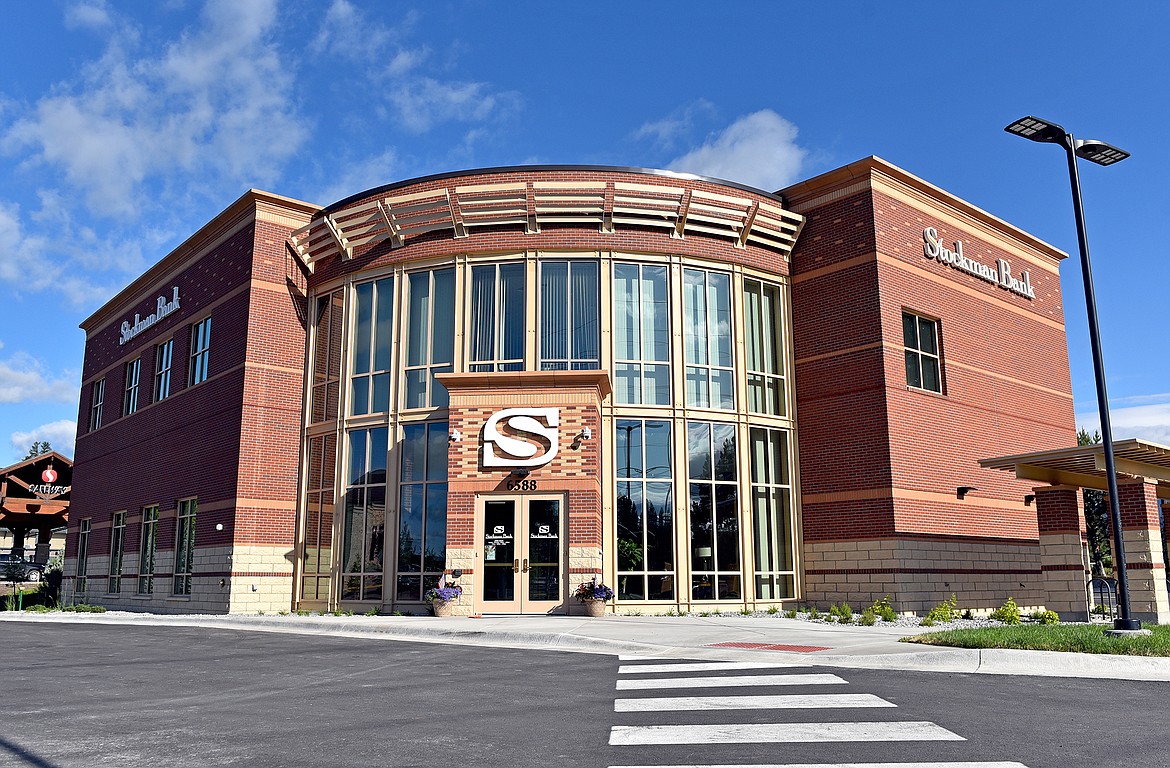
x=527, y=197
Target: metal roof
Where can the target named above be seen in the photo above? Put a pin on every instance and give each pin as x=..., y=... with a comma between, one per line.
x=1084, y=465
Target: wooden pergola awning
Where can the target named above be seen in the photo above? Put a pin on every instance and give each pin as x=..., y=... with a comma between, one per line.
x=34, y=494
x=1084, y=465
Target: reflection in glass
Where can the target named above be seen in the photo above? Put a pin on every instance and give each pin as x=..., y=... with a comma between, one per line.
x=644, y=511
x=771, y=514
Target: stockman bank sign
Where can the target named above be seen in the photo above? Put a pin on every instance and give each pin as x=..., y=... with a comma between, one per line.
x=1000, y=274
x=523, y=450
x=162, y=308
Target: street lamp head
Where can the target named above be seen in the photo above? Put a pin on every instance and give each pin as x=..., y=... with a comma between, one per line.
x=1099, y=152
x=1037, y=130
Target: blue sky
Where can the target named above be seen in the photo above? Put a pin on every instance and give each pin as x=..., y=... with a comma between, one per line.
x=125, y=126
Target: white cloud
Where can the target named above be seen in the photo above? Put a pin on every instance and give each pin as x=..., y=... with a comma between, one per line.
x=357, y=176
x=91, y=15
x=61, y=435
x=758, y=149
x=1149, y=422
x=217, y=103
x=423, y=102
x=23, y=380
x=672, y=128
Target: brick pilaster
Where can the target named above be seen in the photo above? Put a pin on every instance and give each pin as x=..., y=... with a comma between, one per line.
x=1145, y=567
x=1064, y=553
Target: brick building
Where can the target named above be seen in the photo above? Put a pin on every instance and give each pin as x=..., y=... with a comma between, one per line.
x=706, y=395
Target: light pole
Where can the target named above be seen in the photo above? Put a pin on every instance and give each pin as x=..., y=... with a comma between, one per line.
x=1103, y=154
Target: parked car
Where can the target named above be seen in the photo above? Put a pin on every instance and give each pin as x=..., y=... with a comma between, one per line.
x=29, y=571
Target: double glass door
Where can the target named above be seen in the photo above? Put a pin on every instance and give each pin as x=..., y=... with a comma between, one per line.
x=522, y=555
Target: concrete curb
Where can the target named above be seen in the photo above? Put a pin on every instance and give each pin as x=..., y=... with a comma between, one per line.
x=459, y=632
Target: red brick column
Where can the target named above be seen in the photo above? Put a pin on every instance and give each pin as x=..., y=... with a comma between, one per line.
x=1142, y=536
x=1064, y=552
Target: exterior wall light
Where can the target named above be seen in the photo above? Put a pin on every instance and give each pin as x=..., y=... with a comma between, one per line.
x=1028, y=499
x=962, y=491
x=454, y=436
x=1048, y=132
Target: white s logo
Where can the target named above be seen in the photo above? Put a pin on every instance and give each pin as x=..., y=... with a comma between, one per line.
x=524, y=453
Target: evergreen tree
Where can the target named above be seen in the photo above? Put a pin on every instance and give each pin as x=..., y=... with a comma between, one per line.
x=1096, y=516
x=37, y=448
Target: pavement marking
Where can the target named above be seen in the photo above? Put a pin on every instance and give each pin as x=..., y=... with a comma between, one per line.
x=703, y=666
x=776, y=733
x=730, y=681
x=844, y=765
x=787, y=701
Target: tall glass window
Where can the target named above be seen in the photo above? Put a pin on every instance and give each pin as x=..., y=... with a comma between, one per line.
x=97, y=400
x=117, y=547
x=763, y=337
x=200, y=352
x=328, y=330
x=318, y=544
x=82, y=555
x=772, y=514
x=162, y=369
x=707, y=339
x=497, y=318
x=373, y=324
x=364, y=528
x=422, y=509
x=130, y=396
x=146, y=550
x=714, y=512
x=430, y=337
x=569, y=329
x=645, y=511
x=185, y=546
x=641, y=333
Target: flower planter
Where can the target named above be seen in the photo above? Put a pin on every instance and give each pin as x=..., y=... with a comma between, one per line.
x=443, y=608
x=595, y=608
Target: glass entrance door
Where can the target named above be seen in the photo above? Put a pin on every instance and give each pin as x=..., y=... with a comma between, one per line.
x=522, y=555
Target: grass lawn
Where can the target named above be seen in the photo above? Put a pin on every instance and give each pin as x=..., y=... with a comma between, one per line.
x=1079, y=638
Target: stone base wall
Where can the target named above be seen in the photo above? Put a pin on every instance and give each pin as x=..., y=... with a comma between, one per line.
x=1065, y=561
x=918, y=574
x=1149, y=601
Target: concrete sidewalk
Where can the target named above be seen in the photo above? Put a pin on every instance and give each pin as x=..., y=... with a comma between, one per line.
x=731, y=638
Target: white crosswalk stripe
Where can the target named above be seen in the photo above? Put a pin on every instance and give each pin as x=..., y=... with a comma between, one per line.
x=993, y=764
x=769, y=733
x=703, y=666
x=843, y=732
x=793, y=701
x=729, y=681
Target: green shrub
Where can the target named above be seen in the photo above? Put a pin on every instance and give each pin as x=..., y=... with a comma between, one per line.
x=282, y=613
x=1046, y=617
x=302, y=612
x=947, y=610
x=1008, y=613
x=813, y=613
x=927, y=622
x=868, y=618
x=371, y=612
x=773, y=610
x=745, y=611
x=790, y=614
x=885, y=610
x=84, y=608
x=37, y=609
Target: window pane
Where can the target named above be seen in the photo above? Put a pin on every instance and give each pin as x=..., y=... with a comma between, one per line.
x=628, y=449
x=699, y=450
x=483, y=312
x=719, y=310
x=410, y=520
x=512, y=311
x=625, y=301
x=419, y=320
x=378, y=448
x=655, y=314
x=375, y=529
x=384, y=324
x=413, y=452
x=723, y=443
x=913, y=374
x=694, y=316
x=363, y=319
x=926, y=336
x=554, y=329
x=353, y=530
x=435, y=551
x=657, y=439
x=930, y=377
x=909, y=330
x=659, y=527
x=437, y=441
x=657, y=380
x=443, y=344
x=627, y=383
x=586, y=329
x=357, y=456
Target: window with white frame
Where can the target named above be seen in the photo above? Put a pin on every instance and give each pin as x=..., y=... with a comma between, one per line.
x=146, y=549
x=117, y=548
x=363, y=531
x=318, y=543
x=763, y=342
x=772, y=531
x=82, y=555
x=923, y=359
x=185, y=546
x=422, y=509
x=97, y=398
x=372, y=335
x=713, y=484
x=200, y=352
x=569, y=317
x=496, y=336
x=163, y=354
x=130, y=395
x=328, y=330
x=644, y=510
x=641, y=334
x=430, y=337
x=710, y=379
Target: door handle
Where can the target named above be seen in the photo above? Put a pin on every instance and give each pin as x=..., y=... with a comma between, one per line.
x=516, y=566
x=526, y=565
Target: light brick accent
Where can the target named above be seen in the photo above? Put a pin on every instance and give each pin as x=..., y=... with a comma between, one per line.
x=1145, y=567
x=1064, y=551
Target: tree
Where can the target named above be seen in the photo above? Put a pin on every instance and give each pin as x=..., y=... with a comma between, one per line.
x=37, y=448
x=1096, y=515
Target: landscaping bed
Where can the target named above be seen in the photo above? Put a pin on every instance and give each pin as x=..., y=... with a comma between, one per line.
x=1074, y=638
